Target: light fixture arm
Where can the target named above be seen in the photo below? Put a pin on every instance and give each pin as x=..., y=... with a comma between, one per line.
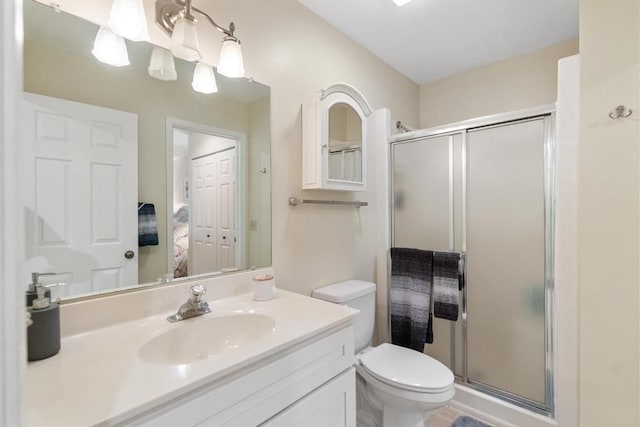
x=187, y=9
x=229, y=32
x=168, y=12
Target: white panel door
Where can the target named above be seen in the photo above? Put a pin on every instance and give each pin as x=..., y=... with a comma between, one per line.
x=81, y=188
x=226, y=167
x=203, y=258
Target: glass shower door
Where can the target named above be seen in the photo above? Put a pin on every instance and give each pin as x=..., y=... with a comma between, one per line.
x=427, y=184
x=505, y=239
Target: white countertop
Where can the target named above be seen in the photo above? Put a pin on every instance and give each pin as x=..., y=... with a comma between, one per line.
x=98, y=377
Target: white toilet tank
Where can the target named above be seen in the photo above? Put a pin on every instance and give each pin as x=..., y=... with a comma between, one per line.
x=356, y=294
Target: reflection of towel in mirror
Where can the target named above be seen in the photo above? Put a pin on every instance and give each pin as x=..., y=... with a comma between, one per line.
x=147, y=225
x=410, y=297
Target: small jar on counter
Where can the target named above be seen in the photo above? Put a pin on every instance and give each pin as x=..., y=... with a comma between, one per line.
x=263, y=287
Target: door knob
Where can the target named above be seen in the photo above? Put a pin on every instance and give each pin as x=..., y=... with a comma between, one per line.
x=129, y=254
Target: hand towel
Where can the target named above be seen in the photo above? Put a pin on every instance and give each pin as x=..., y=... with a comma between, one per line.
x=147, y=225
x=410, y=297
x=446, y=285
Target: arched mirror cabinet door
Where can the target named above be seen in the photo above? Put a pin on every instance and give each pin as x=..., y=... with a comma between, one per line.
x=334, y=140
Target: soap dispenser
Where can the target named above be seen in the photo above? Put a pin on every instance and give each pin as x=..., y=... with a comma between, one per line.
x=43, y=336
x=31, y=289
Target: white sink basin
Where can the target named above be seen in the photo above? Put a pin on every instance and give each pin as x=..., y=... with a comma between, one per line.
x=198, y=338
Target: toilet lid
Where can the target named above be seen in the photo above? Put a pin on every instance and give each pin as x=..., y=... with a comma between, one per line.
x=408, y=369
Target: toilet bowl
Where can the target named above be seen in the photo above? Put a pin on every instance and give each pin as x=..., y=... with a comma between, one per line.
x=404, y=385
x=396, y=386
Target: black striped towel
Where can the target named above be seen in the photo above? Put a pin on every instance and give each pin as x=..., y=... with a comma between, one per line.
x=446, y=285
x=410, y=297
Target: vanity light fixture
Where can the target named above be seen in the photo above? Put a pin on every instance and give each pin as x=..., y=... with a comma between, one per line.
x=204, y=80
x=401, y=2
x=176, y=19
x=231, y=63
x=184, y=41
x=128, y=20
x=162, y=66
x=110, y=48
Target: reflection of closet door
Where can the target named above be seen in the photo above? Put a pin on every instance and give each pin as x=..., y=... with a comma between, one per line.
x=226, y=166
x=81, y=191
x=202, y=245
x=213, y=235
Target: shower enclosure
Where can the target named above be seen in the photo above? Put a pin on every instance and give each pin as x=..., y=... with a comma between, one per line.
x=485, y=188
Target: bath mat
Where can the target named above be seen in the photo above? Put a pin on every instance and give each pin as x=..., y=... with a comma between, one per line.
x=466, y=421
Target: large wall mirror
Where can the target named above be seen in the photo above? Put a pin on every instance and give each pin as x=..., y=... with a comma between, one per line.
x=131, y=180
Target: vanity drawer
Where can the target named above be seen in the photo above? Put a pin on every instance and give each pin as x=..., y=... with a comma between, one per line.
x=261, y=390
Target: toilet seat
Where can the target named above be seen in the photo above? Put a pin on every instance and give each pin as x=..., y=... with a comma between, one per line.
x=403, y=397
x=406, y=369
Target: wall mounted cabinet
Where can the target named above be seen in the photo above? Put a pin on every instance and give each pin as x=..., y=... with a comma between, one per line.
x=334, y=140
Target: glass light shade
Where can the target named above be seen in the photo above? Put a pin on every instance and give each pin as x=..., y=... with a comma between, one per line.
x=110, y=48
x=231, y=63
x=401, y=2
x=128, y=20
x=184, y=41
x=162, y=65
x=204, y=80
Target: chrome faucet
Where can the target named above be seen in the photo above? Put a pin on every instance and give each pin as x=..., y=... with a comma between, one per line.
x=195, y=306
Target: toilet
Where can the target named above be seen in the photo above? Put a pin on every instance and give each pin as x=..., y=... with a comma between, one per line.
x=396, y=386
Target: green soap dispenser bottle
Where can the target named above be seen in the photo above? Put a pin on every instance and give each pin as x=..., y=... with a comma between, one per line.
x=31, y=289
x=43, y=336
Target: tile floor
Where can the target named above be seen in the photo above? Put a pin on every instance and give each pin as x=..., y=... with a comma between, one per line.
x=443, y=417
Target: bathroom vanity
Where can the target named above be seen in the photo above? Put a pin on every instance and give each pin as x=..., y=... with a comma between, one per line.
x=283, y=362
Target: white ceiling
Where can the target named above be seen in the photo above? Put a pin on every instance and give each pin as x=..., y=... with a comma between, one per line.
x=430, y=39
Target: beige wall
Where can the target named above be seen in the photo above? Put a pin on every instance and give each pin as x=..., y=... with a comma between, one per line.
x=259, y=176
x=608, y=215
x=512, y=84
x=297, y=54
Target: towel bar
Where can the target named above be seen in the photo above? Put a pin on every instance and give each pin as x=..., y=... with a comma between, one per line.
x=293, y=201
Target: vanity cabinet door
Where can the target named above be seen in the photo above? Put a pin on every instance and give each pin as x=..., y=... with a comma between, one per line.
x=333, y=404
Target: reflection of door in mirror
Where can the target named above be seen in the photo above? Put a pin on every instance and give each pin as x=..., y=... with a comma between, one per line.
x=207, y=240
x=345, y=143
x=81, y=193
